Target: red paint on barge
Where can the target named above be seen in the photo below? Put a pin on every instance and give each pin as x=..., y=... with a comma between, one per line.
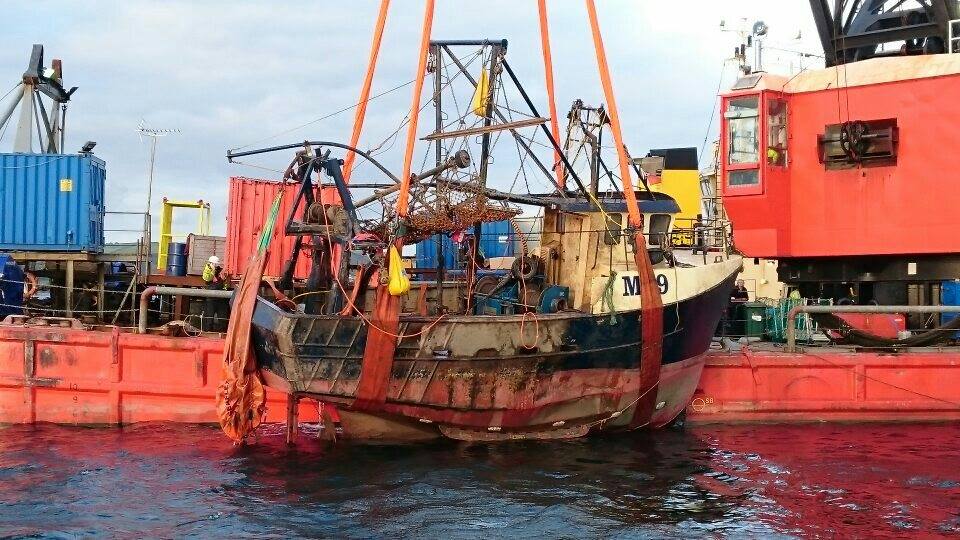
x=74, y=376
x=765, y=384
x=70, y=376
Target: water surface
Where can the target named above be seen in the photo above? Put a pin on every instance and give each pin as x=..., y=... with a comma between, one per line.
x=731, y=481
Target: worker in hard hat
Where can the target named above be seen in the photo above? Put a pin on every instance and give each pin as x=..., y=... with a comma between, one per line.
x=213, y=278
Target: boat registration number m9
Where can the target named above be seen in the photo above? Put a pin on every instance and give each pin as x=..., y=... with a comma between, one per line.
x=631, y=284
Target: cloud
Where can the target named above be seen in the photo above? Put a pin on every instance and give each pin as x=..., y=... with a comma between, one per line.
x=227, y=73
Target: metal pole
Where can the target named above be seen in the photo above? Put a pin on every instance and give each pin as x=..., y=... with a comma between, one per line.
x=792, y=315
x=68, y=293
x=63, y=125
x=18, y=91
x=148, y=226
x=438, y=120
x=23, y=140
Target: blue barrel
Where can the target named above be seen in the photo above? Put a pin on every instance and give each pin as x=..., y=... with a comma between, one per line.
x=950, y=296
x=176, y=259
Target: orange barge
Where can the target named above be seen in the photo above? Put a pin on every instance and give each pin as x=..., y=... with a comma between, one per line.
x=75, y=376
x=762, y=383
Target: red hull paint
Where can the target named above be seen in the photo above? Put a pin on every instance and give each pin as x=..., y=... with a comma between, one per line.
x=84, y=377
x=828, y=384
x=678, y=382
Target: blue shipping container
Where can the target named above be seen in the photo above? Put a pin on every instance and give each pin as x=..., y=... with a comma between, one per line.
x=950, y=296
x=51, y=202
x=496, y=240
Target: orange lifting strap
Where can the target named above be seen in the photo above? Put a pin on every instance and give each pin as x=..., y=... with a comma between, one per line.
x=651, y=304
x=636, y=220
x=548, y=76
x=365, y=90
x=415, y=110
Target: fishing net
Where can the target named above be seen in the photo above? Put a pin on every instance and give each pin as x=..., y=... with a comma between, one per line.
x=241, y=398
x=445, y=208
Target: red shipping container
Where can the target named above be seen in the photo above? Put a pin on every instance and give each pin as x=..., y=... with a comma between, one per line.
x=249, y=205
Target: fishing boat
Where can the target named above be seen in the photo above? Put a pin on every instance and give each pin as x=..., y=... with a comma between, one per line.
x=602, y=327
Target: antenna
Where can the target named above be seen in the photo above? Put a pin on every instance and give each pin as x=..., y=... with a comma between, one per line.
x=154, y=134
x=751, y=37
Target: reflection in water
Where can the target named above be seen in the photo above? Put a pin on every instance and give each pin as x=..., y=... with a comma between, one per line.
x=171, y=480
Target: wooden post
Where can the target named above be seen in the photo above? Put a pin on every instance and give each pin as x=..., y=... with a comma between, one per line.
x=293, y=405
x=69, y=289
x=101, y=271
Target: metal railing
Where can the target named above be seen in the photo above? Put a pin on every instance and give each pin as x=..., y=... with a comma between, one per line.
x=176, y=291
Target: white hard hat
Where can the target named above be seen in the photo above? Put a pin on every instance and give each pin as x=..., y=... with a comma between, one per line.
x=214, y=259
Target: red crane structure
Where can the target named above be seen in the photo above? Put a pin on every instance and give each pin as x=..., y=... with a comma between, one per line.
x=846, y=175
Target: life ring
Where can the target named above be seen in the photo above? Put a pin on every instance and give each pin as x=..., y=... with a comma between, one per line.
x=30, y=284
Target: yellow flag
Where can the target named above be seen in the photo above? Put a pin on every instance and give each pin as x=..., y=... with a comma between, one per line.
x=480, y=96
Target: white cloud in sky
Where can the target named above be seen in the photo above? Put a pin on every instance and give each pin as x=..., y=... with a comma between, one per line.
x=227, y=73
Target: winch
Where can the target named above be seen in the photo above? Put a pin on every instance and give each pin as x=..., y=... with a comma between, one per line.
x=522, y=290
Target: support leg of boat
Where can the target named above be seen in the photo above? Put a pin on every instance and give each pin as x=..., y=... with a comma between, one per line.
x=293, y=405
x=329, y=422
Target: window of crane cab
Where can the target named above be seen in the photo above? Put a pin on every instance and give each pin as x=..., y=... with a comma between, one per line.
x=743, y=131
x=744, y=152
x=776, y=132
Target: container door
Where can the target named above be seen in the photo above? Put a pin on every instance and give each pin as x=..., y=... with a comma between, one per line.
x=97, y=181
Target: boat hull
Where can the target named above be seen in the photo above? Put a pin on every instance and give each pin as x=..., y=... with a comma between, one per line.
x=483, y=378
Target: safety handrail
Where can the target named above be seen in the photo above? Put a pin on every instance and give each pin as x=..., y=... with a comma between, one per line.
x=180, y=291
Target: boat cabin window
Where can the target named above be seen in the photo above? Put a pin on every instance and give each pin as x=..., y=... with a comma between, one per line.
x=613, y=226
x=777, y=132
x=659, y=226
x=743, y=140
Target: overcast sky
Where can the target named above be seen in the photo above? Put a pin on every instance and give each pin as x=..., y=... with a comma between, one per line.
x=229, y=73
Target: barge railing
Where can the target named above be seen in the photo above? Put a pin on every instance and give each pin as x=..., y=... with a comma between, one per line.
x=791, y=329
x=179, y=291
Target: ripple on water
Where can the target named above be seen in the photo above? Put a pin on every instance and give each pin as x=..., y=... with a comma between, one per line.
x=740, y=481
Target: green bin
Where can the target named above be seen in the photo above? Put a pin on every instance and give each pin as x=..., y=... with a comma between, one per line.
x=754, y=315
